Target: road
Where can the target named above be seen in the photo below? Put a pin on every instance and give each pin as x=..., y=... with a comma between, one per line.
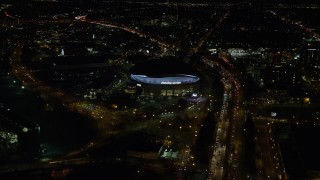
x=227, y=141
x=269, y=162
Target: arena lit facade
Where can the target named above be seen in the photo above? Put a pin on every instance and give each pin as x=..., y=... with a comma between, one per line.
x=176, y=79
x=165, y=77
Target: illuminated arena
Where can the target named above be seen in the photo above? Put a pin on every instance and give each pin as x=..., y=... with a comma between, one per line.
x=168, y=80
x=164, y=71
x=165, y=77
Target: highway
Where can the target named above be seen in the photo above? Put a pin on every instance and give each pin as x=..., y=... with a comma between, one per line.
x=227, y=142
x=225, y=132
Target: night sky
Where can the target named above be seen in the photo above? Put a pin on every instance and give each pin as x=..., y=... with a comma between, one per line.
x=183, y=1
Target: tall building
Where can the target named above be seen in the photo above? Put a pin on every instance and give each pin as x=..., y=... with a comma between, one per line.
x=310, y=57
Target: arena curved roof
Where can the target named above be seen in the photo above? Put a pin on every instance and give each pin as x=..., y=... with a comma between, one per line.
x=165, y=71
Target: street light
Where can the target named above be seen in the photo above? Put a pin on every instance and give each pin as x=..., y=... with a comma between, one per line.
x=25, y=129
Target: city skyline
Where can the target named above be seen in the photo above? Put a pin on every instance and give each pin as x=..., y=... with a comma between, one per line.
x=159, y=90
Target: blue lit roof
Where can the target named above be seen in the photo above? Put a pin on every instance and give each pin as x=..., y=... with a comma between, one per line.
x=165, y=71
x=166, y=80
